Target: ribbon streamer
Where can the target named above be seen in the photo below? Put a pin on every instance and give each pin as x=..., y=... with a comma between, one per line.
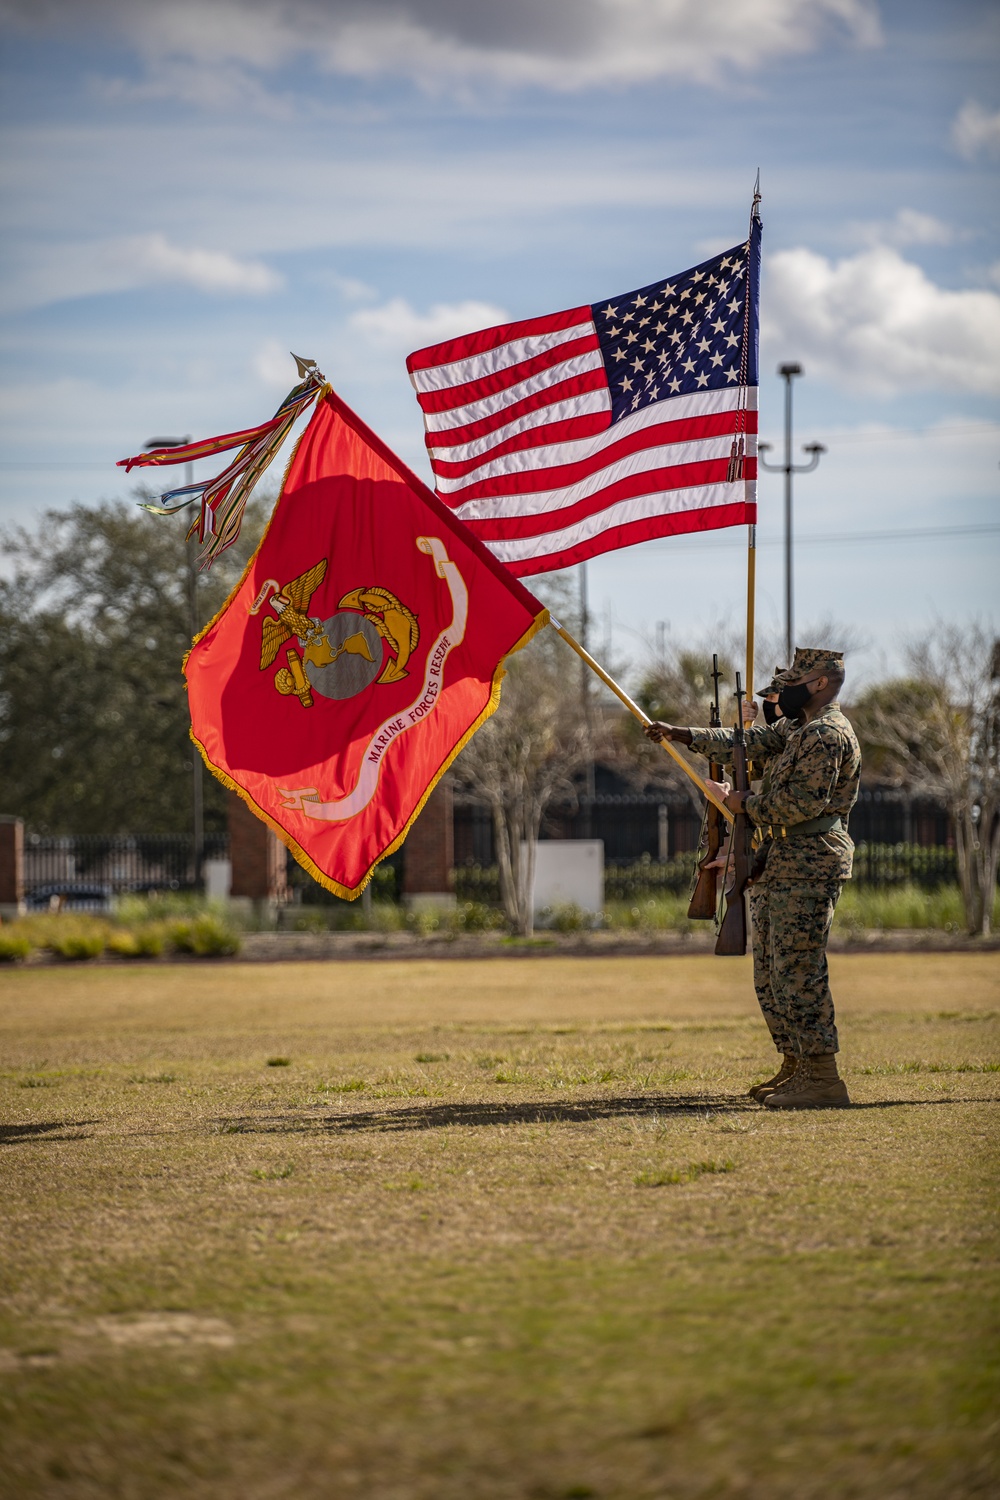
x=223, y=499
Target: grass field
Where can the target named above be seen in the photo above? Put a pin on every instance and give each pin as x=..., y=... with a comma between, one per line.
x=505, y=1229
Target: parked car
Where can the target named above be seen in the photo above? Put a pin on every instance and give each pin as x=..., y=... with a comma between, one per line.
x=69, y=895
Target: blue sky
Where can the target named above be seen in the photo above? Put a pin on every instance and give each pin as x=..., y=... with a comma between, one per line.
x=192, y=189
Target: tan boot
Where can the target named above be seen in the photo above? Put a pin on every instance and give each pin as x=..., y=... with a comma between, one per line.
x=816, y=1085
x=788, y=1065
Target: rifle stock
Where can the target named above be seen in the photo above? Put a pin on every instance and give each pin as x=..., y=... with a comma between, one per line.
x=732, y=939
x=705, y=896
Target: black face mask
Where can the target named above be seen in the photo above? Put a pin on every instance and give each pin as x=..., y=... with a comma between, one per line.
x=772, y=711
x=792, y=700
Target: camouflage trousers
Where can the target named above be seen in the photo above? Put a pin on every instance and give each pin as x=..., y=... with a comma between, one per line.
x=791, y=925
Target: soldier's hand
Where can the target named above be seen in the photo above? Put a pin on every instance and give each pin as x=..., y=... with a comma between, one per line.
x=658, y=731
x=720, y=788
x=749, y=713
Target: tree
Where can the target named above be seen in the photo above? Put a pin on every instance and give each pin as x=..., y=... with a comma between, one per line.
x=529, y=753
x=94, y=624
x=937, y=732
x=677, y=687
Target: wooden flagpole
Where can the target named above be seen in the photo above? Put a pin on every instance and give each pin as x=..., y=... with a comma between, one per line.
x=644, y=719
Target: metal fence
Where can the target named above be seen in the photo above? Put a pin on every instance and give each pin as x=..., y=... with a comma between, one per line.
x=879, y=865
x=905, y=864
x=641, y=826
x=631, y=827
x=648, y=848
x=89, y=868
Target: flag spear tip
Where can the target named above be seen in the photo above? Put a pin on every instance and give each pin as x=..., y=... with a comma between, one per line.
x=305, y=366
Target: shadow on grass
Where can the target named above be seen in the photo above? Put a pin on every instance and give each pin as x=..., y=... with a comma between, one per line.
x=14, y=1135
x=567, y=1112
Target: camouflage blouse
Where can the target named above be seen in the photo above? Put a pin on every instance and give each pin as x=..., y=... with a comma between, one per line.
x=814, y=771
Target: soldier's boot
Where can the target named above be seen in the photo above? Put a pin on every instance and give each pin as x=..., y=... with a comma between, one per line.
x=815, y=1085
x=788, y=1065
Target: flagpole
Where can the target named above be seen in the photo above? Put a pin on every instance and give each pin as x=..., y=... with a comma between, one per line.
x=752, y=529
x=637, y=712
x=751, y=594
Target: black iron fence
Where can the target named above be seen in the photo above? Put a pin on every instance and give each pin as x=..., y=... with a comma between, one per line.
x=905, y=864
x=92, y=867
x=631, y=826
x=644, y=826
x=649, y=847
x=879, y=865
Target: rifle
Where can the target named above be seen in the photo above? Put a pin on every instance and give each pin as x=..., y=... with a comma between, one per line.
x=705, y=896
x=732, y=937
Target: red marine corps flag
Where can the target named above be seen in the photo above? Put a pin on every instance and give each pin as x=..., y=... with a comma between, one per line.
x=362, y=649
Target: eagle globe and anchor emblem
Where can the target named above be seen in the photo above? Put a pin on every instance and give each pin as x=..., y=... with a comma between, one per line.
x=341, y=656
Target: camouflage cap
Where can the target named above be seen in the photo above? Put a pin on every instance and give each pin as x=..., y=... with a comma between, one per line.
x=775, y=685
x=813, y=661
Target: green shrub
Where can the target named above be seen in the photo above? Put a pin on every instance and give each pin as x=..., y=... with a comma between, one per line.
x=869, y=908
x=146, y=940
x=14, y=946
x=385, y=917
x=568, y=918
x=424, y=920
x=206, y=935
x=651, y=877
x=76, y=938
x=158, y=905
x=308, y=919
x=478, y=916
x=664, y=913
x=479, y=884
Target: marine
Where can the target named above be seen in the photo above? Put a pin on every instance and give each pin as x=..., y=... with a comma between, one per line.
x=800, y=814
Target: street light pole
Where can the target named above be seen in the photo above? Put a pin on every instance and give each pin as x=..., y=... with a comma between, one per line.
x=194, y=625
x=788, y=373
x=590, y=786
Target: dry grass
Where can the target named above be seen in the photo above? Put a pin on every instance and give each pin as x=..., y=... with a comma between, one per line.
x=421, y=1231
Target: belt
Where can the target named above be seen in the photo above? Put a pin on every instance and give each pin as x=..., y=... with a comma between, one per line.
x=831, y=823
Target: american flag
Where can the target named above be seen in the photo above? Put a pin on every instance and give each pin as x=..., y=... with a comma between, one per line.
x=561, y=437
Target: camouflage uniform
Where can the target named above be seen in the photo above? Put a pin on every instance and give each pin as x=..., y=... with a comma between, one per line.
x=813, y=773
x=765, y=743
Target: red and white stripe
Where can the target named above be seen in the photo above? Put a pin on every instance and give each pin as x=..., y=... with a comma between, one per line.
x=519, y=434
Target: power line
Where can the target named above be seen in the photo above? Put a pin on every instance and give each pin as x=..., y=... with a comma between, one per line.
x=832, y=538
x=907, y=434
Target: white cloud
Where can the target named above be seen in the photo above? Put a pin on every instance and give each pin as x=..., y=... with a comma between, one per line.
x=351, y=288
x=274, y=366
x=976, y=130
x=908, y=227
x=399, y=327
x=49, y=274
x=876, y=322
x=562, y=44
x=151, y=257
